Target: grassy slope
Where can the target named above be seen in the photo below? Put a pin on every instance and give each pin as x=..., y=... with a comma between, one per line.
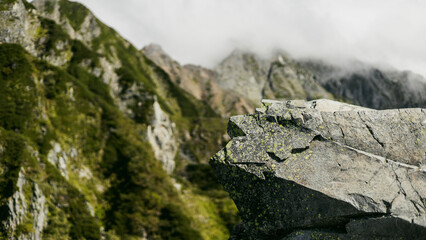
x=130, y=193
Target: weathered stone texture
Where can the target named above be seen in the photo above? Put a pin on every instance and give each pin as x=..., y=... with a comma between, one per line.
x=323, y=169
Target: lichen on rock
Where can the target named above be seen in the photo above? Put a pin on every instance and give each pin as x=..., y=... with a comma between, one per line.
x=323, y=168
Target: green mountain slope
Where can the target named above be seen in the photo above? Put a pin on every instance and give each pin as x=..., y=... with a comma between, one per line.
x=95, y=139
x=99, y=140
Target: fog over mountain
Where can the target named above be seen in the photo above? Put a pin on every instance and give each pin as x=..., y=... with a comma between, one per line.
x=204, y=32
x=103, y=139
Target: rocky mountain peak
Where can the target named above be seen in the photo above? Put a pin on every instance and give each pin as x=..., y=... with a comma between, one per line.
x=276, y=77
x=157, y=54
x=153, y=49
x=200, y=82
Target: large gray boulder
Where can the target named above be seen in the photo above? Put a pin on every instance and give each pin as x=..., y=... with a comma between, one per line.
x=326, y=170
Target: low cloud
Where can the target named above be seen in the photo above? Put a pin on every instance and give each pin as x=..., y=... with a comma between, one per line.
x=387, y=32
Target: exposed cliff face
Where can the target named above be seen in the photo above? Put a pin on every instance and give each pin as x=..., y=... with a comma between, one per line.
x=287, y=79
x=21, y=24
x=252, y=78
x=39, y=211
x=241, y=80
x=163, y=138
x=24, y=208
x=277, y=78
x=76, y=20
x=17, y=206
x=369, y=86
x=200, y=82
x=281, y=77
x=322, y=169
x=244, y=73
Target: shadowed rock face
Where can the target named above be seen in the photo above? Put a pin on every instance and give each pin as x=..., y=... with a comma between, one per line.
x=369, y=86
x=323, y=169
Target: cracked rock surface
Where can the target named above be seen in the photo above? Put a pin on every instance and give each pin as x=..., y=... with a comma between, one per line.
x=326, y=170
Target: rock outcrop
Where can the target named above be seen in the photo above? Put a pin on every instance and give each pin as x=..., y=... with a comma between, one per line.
x=277, y=77
x=59, y=159
x=200, y=82
x=370, y=86
x=326, y=170
x=85, y=29
x=162, y=137
x=21, y=25
x=23, y=213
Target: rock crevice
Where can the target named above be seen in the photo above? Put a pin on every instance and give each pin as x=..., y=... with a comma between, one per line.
x=298, y=168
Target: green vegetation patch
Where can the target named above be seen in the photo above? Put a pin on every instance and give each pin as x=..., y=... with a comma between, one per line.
x=174, y=224
x=74, y=12
x=81, y=52
x=17, y=87
x=5, y=4
x=28, y=6
x=54, y=34
x=141, y=196
x=73, y=107
x=203, y=176
x=12, y=156
x=82, y=224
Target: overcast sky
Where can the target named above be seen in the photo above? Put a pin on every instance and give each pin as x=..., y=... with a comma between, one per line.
x=203, y=32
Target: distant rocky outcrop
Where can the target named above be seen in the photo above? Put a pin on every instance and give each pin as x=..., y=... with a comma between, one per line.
x=243, y=78
x=276, y=77
x=326, y=170
x=162, y=137
x=370, y=86
x=200, y=82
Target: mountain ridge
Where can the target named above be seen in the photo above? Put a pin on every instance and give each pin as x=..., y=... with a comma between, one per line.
x=100, y=129
x=101, y=140
x=201, y=82
x=280, y=77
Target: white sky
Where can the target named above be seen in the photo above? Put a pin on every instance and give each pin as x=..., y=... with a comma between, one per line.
x=390, y=32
